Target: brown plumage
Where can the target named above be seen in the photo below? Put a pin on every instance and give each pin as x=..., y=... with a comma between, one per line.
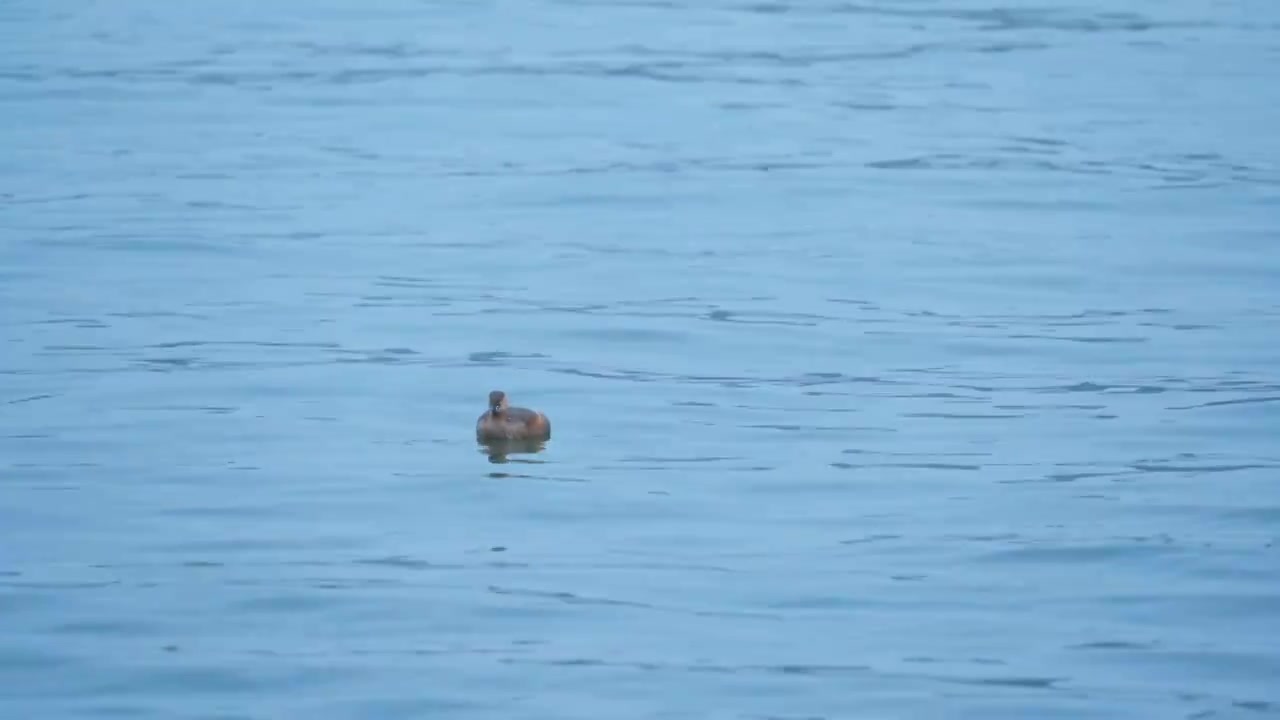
x=503, y=422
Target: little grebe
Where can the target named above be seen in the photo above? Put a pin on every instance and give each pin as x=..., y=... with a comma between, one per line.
x=503, y=422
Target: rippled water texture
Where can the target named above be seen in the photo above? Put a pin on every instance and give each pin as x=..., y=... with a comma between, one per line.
x=911, y=359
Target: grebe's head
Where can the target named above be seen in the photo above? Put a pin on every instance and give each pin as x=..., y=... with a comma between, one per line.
x=497, y=402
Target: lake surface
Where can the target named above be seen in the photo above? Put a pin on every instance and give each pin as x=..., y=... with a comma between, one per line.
x=910, y=359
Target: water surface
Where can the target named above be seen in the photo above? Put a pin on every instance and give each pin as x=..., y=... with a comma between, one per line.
x=906, y=359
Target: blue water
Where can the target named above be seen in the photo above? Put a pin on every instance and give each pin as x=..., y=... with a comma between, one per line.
x=911, y=359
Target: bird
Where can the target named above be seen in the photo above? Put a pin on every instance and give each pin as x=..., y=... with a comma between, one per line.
x=503, y=422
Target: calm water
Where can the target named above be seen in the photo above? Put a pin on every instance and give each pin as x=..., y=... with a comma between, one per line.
x=909, y=359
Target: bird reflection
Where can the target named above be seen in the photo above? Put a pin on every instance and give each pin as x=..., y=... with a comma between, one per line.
x=499, y=450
